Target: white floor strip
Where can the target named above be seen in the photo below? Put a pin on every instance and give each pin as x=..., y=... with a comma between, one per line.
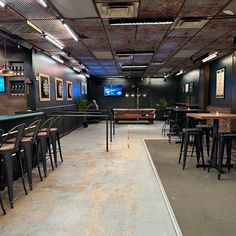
x=172, y=215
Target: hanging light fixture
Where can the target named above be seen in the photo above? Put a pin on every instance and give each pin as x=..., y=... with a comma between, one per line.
x=4, y=69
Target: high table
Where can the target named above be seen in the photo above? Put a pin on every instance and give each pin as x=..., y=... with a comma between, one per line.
x=215, y=117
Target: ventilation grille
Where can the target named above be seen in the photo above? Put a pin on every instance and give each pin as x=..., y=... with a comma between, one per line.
x=118, y=10
x=191, y=23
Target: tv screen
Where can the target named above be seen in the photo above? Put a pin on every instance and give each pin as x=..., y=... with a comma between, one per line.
x=2, y=85
x=112, y=90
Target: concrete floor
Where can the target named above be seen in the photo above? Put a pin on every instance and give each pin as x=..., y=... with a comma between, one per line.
x=94, y=192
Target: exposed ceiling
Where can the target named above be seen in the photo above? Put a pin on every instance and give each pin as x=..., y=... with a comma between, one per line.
x=199, y=28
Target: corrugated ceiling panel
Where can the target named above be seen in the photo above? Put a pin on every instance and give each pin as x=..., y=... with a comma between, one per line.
x=31, y=9
x=160, y=8
x=122, y=45
x=53, y=27
x=89, y=28
x=97, y=44
x=6, y=14
x=142, y=59
x=193, y=8
x=76, y=9
x=182, y=33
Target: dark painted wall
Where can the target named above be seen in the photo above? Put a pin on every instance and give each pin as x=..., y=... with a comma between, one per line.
x=190, y=77
x=225, y=62
x=153, y=88
x=46, y=65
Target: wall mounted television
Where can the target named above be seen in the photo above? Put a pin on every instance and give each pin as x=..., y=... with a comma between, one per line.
x=2, y=85
x=112, y=90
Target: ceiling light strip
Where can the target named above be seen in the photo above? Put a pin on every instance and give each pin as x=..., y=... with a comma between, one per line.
x=158, y=21
x=53, y=41
x=57, y=59
x=180, y=72
x=135, y=53
x=43, y=3
x=211, y=56
x=34, y=26
x=76, y=69
x=133, y=66
x=70, y=31
x=2, y=4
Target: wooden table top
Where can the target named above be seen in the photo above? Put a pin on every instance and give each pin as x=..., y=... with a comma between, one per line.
x=214, y=116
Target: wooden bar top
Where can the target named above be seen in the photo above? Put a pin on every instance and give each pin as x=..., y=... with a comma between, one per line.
x=214, y=116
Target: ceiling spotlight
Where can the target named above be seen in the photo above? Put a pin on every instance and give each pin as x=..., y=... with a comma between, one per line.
x=2, y=4
x=228, y=12
x=43, y=3
x=71, y=32
x=180, y=72
x=209, y=57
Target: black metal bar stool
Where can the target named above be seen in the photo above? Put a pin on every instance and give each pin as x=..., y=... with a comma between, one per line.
x=55, y=137
x=43, y=139
x=196, y=134
x=225, y=139
x=29, y=144
x=1, y=203
x=10, y=147
x=207, y=131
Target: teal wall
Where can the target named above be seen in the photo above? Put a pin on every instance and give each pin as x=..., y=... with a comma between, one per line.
x=225, y=62
x=190, y=77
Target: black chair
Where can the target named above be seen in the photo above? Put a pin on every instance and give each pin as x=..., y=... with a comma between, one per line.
x=43, y=138
x=55, y=137
x=1, y=203
x=196, y=135
x=9, y=148
x=29, y=145
x=225, y=139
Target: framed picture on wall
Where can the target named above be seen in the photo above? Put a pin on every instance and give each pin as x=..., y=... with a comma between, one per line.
x=58, y=89
x=191, y=87
x=187, y=88
x=69, y=90
x=220, y=83
x=44, y=87
x=84, y=88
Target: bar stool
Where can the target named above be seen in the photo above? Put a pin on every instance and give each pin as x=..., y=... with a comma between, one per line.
x=207, y=131
x=29, y=145
x=225, y=139
x=197, y=142
x=1, y=203
x=9, y=148
x=43, y=139
x=55, y=138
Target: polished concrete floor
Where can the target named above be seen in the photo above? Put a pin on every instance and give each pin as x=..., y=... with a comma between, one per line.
x=94, y=192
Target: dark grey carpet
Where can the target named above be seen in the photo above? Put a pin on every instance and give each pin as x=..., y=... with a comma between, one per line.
x=202, y=205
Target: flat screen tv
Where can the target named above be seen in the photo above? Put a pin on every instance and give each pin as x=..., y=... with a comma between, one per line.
x=2, y=85
x=114, y=90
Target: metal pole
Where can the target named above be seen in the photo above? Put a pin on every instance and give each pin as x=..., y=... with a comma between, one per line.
x=110, y=118
x=107, y=133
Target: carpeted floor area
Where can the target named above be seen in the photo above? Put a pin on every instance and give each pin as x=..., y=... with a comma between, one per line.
x=202, y=205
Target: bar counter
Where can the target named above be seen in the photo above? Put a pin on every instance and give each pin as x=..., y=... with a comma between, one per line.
x=9, y=121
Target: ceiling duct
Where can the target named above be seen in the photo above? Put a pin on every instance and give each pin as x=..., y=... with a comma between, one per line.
x=191, y=23
x=118, y=10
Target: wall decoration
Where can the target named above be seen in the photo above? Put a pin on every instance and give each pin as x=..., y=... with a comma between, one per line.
x=220, y=83
x=191, y=87
x=44, y=87
x=59, y=89
x=187, y=88
x=69, y=90
x=84, y=88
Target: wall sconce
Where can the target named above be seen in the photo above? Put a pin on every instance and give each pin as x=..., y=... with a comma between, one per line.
x=144, y=95
x=132, y=95
x=126, y=95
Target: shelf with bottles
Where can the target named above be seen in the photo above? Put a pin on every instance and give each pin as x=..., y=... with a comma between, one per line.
x=17, y=88
x=18, y=68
